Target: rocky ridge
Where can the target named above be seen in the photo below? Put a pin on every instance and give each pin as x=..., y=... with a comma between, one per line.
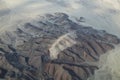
x=26, y=52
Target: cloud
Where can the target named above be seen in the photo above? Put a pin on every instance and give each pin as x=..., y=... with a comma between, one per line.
x=59, y=2
x=4, y=12
x=66, y=3
x=14, y=3
x=102, y=14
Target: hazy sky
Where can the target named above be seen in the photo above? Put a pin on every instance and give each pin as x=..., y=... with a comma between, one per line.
x=101, y=14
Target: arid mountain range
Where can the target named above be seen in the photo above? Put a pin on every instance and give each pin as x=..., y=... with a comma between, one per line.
x=53, y=47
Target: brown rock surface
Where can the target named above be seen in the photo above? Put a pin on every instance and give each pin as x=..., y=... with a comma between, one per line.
x=32, y=61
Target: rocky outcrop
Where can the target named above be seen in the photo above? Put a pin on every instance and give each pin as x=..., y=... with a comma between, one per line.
x=53, y=47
